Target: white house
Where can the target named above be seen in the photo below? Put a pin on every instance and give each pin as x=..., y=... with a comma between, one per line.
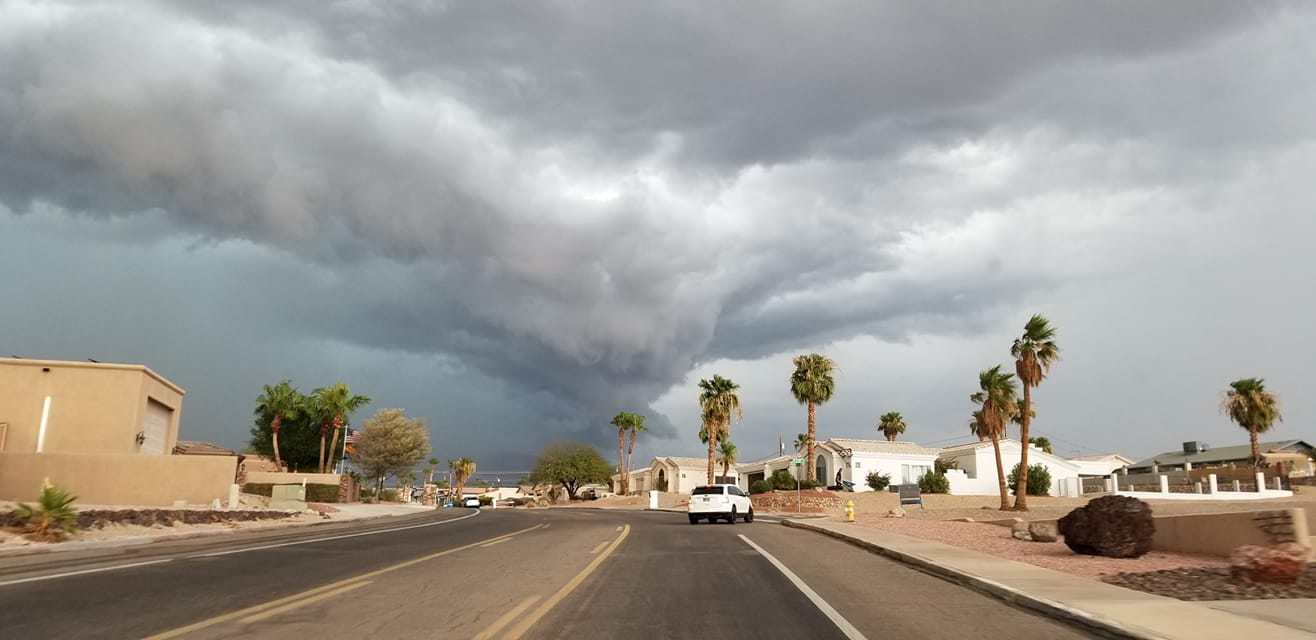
x=903, y=462
x=675, y=475
x=1101, y=465
x=976, y=465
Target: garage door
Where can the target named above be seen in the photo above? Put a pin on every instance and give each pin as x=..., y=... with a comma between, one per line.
x=156, y=426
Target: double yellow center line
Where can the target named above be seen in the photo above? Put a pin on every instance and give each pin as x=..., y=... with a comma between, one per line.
x=274, y=607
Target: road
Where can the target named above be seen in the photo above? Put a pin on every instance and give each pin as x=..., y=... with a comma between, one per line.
x=512, y=573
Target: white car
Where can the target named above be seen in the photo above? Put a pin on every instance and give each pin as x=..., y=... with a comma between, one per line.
x=471, y=501
x=720, y=501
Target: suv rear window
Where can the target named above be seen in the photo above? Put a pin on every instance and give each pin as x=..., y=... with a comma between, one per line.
x=707, y=491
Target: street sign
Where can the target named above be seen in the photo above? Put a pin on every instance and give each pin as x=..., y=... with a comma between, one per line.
x=798, y=461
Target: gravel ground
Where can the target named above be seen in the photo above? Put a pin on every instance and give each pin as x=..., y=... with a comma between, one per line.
x=996, y=541
x=1212, y=583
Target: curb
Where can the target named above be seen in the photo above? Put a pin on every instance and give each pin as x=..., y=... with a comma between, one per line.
x=141, y=540
x=1087, y=621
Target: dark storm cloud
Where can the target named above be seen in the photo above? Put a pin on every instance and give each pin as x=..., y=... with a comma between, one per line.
x=585, y=200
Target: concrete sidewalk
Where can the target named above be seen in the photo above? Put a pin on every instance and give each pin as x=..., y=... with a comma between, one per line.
x=1106, y=609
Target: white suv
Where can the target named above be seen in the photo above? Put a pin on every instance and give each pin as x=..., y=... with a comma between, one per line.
x=716, y=501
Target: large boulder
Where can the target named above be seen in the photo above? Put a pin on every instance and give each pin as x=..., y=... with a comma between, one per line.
x=1043, y=531
x=1110, y=526
x=1283, y=563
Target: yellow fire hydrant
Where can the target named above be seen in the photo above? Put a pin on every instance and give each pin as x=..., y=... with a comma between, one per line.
x=849, y=510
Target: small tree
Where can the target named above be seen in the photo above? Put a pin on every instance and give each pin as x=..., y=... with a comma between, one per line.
x=933, y=482
x=1039, y=479
x=52, y=518
x=391, y=443
x=877, y=481
x=1042, y=443
x=571, y=465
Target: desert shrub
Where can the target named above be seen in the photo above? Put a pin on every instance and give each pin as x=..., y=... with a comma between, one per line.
x=783, y=479
x=486, y=501
x=933, y=482
x=761, y=486
x=388, y=495
x=810, y=484
x=1039, y=480
x=53, y=517
x=877, y=481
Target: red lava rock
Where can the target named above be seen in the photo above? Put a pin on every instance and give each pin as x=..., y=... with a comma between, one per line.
x=1283, y=563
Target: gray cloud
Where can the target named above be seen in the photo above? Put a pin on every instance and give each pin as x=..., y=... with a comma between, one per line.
x=570, y=206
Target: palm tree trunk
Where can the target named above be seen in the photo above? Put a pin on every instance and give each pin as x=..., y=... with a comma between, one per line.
x=1021, y=485
x=809, y=470
x=1256, y=449
x=324, y=432
x=1000, y=474
x=621, y=460
x=629, y=451
x=333, y=445
x=712, y=442
x=274, y=438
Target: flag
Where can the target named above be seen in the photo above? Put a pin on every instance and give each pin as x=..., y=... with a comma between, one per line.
x=352, y=437
x=781, y=446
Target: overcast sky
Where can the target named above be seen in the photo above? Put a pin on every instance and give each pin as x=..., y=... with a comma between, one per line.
x=517, y=219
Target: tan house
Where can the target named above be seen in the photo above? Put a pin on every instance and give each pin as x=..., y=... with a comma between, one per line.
x=104, y=431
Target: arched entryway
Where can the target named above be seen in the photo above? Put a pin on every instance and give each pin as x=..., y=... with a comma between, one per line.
x=661, y=483
x=821, y=470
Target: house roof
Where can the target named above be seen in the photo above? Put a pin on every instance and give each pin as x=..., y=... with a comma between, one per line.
x=1222, y=454
x=880, y=446
x=686, y=462
x=24, y=362
x=195, y=448
x=968, y=446
x=1102, y=456
x=1034, y=453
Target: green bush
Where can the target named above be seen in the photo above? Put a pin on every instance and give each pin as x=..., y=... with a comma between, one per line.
x=783, y=479
x=933, y=482
x=53, y=517
x=1039, y=480
x=810, y=484
x=761, y=486
x=314, y=492
x=486, y=501
x=388, y=495
x=877, y=481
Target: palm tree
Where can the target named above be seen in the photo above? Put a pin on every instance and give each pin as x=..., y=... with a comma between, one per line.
x=462, y=469
x=636, y=425
x=1249, y=405
x=1034, y=353
x=278, y=402
x=997, y=405
x=720, y=402
x=976, y=427
x=891, y=425
x=434, y=464
x=1042, y=442
x=335, y=404
x=726, y=456
x=801, y=441
x=620, y=421
x=812, y=384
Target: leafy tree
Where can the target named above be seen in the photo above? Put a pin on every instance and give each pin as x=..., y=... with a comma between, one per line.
x=996, y=405
x=1042, y=443
x=391, y=443
x=726, y=456
x=1250, y=406
x=1039, y=479
x=877, y=481
x=277, y=403
x=891, y=425
x=571, y=465
x=333, y=405
x=298, y=440
x=1034, y=353
x=812, y=384
x=720, y=403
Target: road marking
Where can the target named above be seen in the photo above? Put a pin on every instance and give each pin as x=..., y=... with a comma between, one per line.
x=506, y=619
x=525, y=624
x=494, y=543
x=619, y=529
x=241, y=613
x=301, y=603
x=841, y=623
x=327, y=538
x=599, y=548
x=82, y=572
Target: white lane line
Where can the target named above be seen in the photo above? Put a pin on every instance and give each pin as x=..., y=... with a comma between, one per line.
x=841, y=623
x=327, y=538
x=82, y=572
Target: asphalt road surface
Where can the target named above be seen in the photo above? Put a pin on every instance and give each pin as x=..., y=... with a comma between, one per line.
x=511, y=573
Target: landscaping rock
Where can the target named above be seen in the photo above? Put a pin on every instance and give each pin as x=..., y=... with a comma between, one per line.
x=1043, y=531
x=898, y=512
x=1020, y=531
x=1283, y=563
x=1110, y=526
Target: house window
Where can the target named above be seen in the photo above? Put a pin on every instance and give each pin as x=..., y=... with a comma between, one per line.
x=856, y=464
x=683, y=475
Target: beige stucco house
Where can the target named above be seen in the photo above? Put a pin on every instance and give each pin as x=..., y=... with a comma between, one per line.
x=104, y=431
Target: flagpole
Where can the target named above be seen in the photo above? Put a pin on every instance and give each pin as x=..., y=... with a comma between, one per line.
x=342, y=462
